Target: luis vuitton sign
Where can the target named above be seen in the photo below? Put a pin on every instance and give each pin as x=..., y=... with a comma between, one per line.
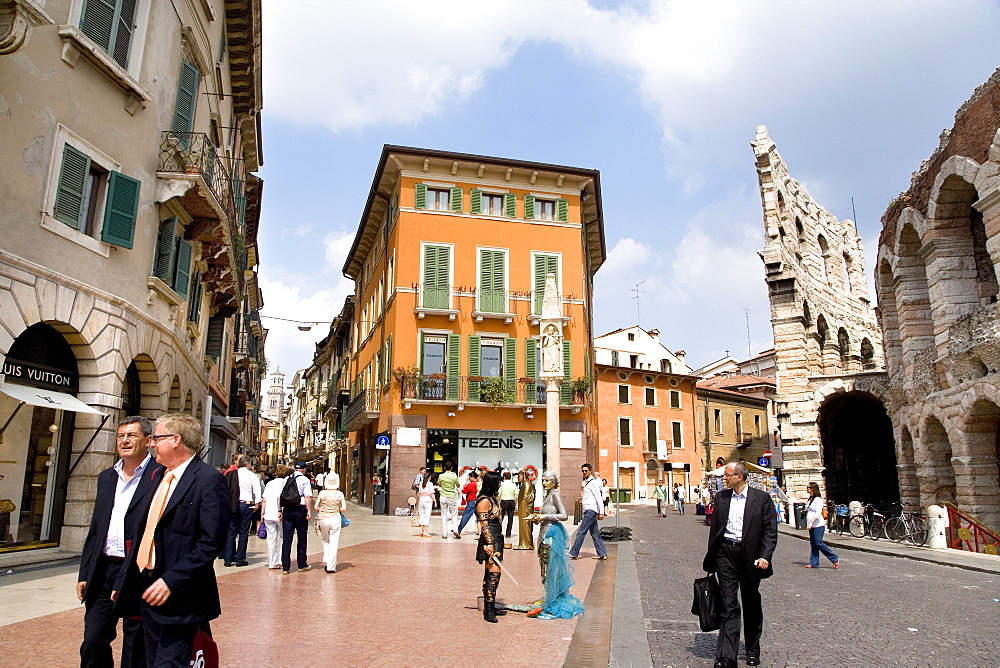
x=36, y=376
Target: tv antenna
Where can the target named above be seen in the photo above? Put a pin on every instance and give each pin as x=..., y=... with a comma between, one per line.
x=637, y=291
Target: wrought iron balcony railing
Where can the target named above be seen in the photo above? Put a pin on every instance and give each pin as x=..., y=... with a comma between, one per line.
x=194, y=153
x=478, y=389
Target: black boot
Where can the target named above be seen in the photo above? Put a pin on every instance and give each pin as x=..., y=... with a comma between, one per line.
x=490, y=582
x=489, y=613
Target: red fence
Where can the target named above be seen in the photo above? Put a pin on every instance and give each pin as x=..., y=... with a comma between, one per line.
x=966, y=533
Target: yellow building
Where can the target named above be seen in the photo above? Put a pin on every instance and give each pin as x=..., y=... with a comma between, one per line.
x=449, y=262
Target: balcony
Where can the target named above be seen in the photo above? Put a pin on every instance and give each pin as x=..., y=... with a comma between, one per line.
x=493, y=304
x=362, y=410
x=433, y=300
x=479, y=390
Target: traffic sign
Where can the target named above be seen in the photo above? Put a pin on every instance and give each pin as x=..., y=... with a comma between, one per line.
x=382, y=443
x=764, y=461
x=767, y=453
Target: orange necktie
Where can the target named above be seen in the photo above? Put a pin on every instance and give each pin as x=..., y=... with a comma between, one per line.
x=144, y=558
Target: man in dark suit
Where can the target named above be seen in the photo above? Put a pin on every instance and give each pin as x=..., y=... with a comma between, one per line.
x=183, y=532
x=741, y=541
x=121, y=489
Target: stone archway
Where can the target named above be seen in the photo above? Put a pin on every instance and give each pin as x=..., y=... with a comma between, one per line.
x=859, y=455
x=977, y=463
x=935, y=472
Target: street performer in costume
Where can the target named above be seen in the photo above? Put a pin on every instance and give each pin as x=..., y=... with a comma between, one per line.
x=525, y=507
x=557, y=574
x=491, y=539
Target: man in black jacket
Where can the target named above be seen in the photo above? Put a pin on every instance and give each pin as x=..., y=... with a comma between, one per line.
x=741, y=541
x=120, y=490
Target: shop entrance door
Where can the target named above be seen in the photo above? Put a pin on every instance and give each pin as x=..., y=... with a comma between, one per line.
x=628, y=480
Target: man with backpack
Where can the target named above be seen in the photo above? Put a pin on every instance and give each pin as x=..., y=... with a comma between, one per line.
x=296, y=511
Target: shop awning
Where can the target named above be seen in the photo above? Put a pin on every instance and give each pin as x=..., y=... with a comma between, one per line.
x=223, y=427
x=47, y=398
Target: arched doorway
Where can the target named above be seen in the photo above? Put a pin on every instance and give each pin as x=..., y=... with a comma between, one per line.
x=858, y=450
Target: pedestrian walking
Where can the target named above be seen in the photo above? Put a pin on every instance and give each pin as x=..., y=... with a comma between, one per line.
x=295, y=521
x=247, y=486
x=681, y=498
x=508, y=500
x=490, y=547
x=271, y=515
x=448, y=500
x=592, y=512
x=816, y=523
x=605, y=492
x=741, y=541
x=418, y=480
x=661, y=493
x=469, y=494
x=425, y=504
x=330, y=503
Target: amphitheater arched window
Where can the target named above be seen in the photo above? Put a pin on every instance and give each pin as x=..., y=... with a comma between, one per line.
x=867, y=354
x=824, y=251
x=846, y=268
x=806, y=314
x=844, y=343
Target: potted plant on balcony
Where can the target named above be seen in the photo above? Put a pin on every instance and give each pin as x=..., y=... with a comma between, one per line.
x=407, y=379
x=580, y=387
x=493, y=391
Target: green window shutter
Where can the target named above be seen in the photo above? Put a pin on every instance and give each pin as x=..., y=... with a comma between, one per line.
x=437, y=260
x=393, y=210
x=454, y=382
x=510, y=369
x=565, y=394
x=123, y=31
x=194, y=303
x=531, y=358
x=187, y=96
x=529, y=207
x=387, y=367
x=474, y=366
x=455, y=201
x=491, y=282
x=420, y=196
x=183, y=277
x=510, y=205
x=120, y=210
x=475, y=201
x=423, y=372
x=72, y=182
x=97, y=21
x=213, y=339
x=544, y=265
x=163, y=266
x=562, y=210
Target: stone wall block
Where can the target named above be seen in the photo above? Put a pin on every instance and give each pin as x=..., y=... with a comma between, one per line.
x=10, y=314
x=27, y=301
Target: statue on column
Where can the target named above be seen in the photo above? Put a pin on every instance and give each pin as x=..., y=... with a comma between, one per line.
x=525, y=508
x=551, y=349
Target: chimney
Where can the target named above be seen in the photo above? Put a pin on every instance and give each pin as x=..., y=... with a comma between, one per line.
x=680, y=355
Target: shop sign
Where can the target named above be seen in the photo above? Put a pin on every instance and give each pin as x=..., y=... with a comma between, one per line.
x=35, y=376
x=486, y=448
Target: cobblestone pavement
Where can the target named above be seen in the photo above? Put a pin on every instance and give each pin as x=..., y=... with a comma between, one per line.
x=873, y=610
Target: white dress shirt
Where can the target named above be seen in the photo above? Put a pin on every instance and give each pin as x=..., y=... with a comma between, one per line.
x=249, y=485
x=734, y=524
x=114, y=544
x=592, y=496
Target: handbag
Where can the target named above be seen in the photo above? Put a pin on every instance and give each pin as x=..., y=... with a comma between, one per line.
x=204, y=651
x=344, y=522
x=707, y=604
x=261, y=530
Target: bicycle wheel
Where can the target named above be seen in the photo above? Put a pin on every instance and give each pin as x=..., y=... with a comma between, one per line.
x=877, y=528
x=857, y=526
x=895, y=530
x=919, y=531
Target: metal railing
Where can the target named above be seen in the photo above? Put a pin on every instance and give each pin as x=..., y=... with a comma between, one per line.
x=194, y=153
x=479, y=389
x=967, y=533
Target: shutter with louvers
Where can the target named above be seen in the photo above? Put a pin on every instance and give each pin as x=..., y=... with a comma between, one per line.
x=531, y=370
x=544, y=265
x=420, y=196
x=474, y=368
x=97, y=21
x=123, y=32
x=491, y=282
x=194, y=303
x=72, y=182
x=529, y=207
x=163, y=266
x=455, y=201
x=475, y=201
x=213, y=338
x=183, y=276
x=120, y=210
x=510, y=205
x=562, y=210
x=437, y=260
x=388, y=359
x=510, y=369
x=187, y=95
x=454, y=382
x=565, y=393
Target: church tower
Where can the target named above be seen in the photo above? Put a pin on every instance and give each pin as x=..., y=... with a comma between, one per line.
x=275, y=396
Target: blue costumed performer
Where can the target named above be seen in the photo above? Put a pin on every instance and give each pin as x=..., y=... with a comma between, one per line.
x=553, y=555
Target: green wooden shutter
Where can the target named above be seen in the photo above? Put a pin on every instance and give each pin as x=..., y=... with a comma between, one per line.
x=388, y=359
x=120, y=210
x=544, y=265
x=474, y=367
x=72, y=182
x=97, y=21
x=123, y=32
x=455, y=200
x=510, y=205
x=531, y=370
x=562, y=210
x=475, y=201
x=213, y=339
x=437, y=260
x=423, y=371
x=565, y=393
x=182, y=279
x=420, y=196
x=510, y=369
x=163, y=266
x=194, y=303
x=491, y=282
x=187, y=96
x=454, y=382
x=529, y=207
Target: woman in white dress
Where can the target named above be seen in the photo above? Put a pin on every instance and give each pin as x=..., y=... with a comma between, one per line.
x=426, y=504
x=271, y=516
x=330, y=503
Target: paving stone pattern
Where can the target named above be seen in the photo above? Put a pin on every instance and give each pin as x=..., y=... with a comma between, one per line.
x=858, y=614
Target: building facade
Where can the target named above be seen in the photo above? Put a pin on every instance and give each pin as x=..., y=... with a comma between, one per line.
x=831, y=386
x=450, y=262
x=937, y=288
x=128, y=225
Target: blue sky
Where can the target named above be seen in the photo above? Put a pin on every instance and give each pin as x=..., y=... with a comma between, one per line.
x=662, y=97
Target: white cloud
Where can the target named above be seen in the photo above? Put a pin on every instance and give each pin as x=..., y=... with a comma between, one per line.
x=336, y=246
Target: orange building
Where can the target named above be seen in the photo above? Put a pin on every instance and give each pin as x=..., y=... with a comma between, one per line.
x=449, y=263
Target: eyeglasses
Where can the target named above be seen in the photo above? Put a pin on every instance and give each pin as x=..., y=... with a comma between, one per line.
x=131, y=437
x=724, y=475
x=157, y=437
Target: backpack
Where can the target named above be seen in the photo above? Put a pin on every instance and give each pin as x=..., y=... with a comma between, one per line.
x=290, y=495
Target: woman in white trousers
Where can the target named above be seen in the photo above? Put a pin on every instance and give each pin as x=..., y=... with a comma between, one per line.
x=426, y=504
x=329, y=504
x=271, y=516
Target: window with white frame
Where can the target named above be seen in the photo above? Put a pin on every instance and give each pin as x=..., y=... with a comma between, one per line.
x=650, y=396
x=437, y=276
x=545, y=209
x=717, y=421
x=652, y=434
x=492, y=280
x=116, y=27
x=492, y=205
x=756, y=426
x=624, y=394
x=675, y=399
x=625, y=431
x=677, y=433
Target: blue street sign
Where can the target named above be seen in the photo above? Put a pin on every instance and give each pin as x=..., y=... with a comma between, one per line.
x=764, y=461
x=382, y=443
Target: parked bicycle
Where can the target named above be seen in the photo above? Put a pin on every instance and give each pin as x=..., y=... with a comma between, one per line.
x=840, y=518
x=869, y=523
x=907, y=525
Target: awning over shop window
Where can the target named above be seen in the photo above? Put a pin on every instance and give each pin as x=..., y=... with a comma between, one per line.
x=223, y=427
x=47, y=398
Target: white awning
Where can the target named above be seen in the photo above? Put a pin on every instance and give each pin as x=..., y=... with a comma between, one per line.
x=47, y=398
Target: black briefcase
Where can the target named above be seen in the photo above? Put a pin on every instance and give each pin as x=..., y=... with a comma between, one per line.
x=707, y=604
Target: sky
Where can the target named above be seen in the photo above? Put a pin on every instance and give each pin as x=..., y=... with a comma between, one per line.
x=663, y=97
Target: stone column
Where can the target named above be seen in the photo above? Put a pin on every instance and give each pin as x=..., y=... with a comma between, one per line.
x=976, y=489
